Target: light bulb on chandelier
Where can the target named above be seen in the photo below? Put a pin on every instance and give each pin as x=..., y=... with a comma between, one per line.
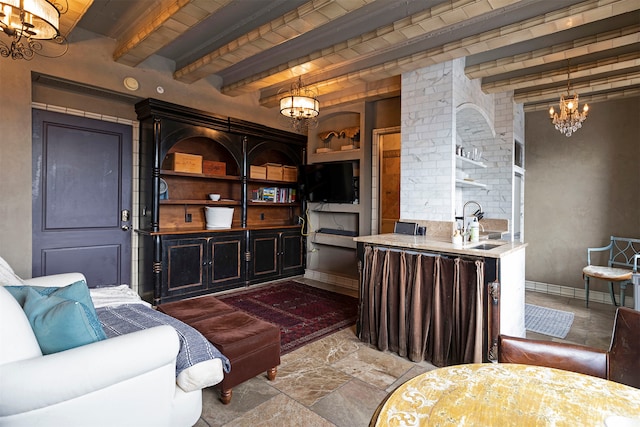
x=569, y=119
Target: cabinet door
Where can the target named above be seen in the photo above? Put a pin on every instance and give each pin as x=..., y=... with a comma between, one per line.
x=264, y=255
x=184, y=266
x=227, y=254
x=292, y=254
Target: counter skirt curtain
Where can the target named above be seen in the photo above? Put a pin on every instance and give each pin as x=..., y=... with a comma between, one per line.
x=422, y=306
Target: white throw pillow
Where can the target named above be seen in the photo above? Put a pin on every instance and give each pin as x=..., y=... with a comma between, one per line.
x=7, y=276
x=17, y=337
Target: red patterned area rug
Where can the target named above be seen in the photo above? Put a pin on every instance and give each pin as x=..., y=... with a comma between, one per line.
x=304, y=313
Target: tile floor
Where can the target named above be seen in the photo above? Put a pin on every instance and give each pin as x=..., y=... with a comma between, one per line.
x=339, y=381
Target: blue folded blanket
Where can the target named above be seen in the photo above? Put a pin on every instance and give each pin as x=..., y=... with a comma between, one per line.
x=194, y=347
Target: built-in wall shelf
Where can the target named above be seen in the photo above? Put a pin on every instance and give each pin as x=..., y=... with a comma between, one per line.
x=330, y=252
x=200, y=202
x=166, y=172
x=334, y=207
x=467, y=183
x=334, y=240
x=334, y=156
x=272, y=204
x=466, y=163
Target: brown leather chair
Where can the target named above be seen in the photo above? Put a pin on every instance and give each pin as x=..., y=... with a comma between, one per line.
x=621, y=363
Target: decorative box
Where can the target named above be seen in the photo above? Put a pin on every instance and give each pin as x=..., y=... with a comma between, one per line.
x=182, y=162
x=290, y=173
x=210, y=167
x=274, y=171
x=257, y=172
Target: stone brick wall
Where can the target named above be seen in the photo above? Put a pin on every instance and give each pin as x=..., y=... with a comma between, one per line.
x=442, y=108
x=428, y=138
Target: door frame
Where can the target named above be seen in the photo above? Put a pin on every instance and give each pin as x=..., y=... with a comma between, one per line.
x=376, y=172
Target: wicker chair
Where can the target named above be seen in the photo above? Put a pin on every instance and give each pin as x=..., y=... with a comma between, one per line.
x=624, y=256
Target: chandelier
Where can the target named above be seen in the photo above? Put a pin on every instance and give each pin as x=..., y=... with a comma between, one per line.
x=301, y=106
x=569, y=119
x=26, y=23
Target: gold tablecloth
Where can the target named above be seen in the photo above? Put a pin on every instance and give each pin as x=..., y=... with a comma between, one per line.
x=507, y=395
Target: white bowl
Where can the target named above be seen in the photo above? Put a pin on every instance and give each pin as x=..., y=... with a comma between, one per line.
x=214, y=197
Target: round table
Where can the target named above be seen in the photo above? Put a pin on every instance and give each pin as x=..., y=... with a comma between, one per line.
x=507, y=395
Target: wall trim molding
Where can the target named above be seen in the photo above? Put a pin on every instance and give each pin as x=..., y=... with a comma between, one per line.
x=576, y=293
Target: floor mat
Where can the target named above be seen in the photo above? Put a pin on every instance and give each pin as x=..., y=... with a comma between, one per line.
x=547, y=321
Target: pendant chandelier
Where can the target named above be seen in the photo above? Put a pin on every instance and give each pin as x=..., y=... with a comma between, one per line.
x=569, y=119
x=301, y=106
x=27, y=23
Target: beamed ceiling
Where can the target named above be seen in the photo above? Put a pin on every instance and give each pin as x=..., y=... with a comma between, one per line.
x=352, y=50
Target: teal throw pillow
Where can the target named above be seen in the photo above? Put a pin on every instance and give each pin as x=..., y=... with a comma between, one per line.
x=61, y=318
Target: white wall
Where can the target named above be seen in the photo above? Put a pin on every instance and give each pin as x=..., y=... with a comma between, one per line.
x=428, y=137
x=442, y=108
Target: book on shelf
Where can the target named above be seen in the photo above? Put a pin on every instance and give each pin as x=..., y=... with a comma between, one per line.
x=274, y=194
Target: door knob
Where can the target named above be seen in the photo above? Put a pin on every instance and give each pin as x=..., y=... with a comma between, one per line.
x=125, y=228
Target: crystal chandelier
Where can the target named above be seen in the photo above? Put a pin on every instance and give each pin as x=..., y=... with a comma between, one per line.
x=301, y=106
x=26, y=23
x=569, y=119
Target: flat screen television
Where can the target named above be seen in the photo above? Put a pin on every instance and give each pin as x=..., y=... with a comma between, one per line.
x=329, y=182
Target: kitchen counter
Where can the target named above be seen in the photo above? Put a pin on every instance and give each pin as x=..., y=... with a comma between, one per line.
x=429, y=243
x=503, y=277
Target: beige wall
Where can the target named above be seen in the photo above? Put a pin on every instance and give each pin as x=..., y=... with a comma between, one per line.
x=580, y=190
x=386, y=113
x=87, y=62
x=15, y=166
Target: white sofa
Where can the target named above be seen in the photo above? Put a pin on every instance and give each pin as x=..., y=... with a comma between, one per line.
x=127, y=380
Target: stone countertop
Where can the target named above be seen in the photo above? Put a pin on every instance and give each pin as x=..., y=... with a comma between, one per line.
x=435, y=244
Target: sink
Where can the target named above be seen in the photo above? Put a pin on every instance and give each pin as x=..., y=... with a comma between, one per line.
x=485, y=246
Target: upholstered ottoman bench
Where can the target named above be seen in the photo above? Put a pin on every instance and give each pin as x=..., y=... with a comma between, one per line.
x=252, y=345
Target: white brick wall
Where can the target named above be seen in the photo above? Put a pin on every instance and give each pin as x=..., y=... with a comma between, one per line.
x=470, y=91
x=427, y=168
x=441, y=107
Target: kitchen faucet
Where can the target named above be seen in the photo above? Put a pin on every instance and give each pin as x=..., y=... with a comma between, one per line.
x=464, y=208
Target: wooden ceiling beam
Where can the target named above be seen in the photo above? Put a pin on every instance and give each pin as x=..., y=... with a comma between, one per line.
x=618, y=93
x=564, y=51
x=613, y=64
x=161, y=26
x=74, y=12
x=580, y=14
x=372, y=43
x=305, y=18
x=605, y=84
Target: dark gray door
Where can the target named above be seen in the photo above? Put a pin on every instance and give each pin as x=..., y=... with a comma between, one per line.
x=81, y=198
